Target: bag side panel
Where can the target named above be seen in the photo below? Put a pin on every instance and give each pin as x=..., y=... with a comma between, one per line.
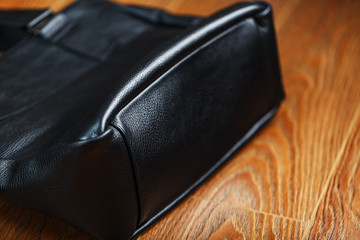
x=187, y=120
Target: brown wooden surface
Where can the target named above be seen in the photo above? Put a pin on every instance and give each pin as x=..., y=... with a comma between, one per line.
x=300, y=176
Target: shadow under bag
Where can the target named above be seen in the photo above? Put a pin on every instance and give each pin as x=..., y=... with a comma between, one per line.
x=110, y=115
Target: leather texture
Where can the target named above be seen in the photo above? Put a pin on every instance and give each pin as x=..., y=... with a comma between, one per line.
x=111, y=114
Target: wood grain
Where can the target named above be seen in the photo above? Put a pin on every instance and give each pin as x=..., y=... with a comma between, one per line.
x=338, y=214
x=299, y=177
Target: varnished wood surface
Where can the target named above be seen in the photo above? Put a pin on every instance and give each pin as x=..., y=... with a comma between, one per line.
x=299, y=178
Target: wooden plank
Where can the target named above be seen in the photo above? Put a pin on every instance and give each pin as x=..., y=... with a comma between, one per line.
x=299, y=177
x=338, y=214
x=202, y=219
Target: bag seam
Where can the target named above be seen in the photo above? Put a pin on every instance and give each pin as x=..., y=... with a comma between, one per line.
x=134, y=166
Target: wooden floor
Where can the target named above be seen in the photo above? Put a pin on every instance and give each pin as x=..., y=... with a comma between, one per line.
x=298, y=178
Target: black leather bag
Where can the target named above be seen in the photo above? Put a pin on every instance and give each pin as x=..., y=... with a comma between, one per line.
x=110, y=115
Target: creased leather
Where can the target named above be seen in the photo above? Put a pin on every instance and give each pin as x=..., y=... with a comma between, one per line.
x=111, y=114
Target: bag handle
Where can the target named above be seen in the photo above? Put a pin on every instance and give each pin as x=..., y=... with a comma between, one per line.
x=16, y=24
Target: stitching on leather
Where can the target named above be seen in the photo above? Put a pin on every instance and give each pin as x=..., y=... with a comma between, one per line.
x=134, y=166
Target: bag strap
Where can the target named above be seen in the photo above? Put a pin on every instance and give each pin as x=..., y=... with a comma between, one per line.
x=16, y=24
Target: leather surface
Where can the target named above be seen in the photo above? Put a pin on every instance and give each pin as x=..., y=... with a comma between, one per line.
x=111, y=114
